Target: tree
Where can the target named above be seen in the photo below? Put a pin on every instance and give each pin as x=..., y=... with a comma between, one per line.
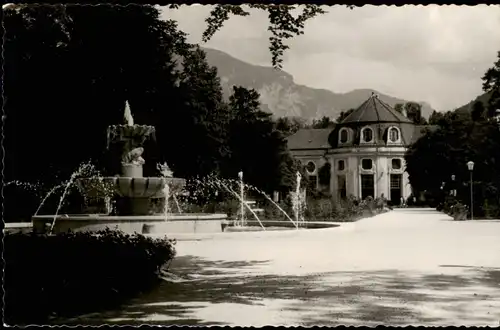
x=399, y=107
x=257, y=148
x=435, y=118
x=324, y=122
x=195, y=127
x=69, y=102
x=70, y=70
x=434, y=157
x=414, y=113
x=283, y=24
x=491, y=84
x=343, y=115
x=289, y=125
x=478, y=111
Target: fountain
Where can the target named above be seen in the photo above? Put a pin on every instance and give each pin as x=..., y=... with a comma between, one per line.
x=132, y=193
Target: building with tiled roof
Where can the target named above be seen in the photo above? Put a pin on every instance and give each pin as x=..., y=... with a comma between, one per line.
x=365, y=152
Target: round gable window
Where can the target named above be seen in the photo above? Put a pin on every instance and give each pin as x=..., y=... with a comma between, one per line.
x=367, y=135
x=310, y=167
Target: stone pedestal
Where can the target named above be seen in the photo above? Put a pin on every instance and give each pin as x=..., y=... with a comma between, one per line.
x=133, y=206
x=132, y=171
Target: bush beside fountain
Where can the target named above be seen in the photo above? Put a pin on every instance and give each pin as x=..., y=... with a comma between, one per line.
x=73, y=273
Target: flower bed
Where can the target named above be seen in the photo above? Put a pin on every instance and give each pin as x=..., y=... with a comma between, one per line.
x=326, y=209
x=73, y=273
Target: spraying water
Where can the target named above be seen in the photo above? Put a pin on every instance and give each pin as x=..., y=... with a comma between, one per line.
x=128, y=115
x=277, y=206
x=250, y=187
x=245, y=204
x=166, y=193
x=51, y=191
x=218, y=183
x=296, y=200
x=177, y=203
x=82, y=169
x=165, y=172
x=242, y=199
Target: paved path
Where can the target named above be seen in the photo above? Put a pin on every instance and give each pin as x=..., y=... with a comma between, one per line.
x=408, y=266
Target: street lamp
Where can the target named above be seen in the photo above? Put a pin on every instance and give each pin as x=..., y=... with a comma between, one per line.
x=453, y=188
x=470, y=166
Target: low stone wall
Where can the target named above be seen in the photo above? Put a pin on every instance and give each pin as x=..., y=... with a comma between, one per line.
x=175, y=223
x=17, y=227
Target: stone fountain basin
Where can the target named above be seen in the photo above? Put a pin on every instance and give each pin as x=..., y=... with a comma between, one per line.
x=184, y=223
x=149, y=187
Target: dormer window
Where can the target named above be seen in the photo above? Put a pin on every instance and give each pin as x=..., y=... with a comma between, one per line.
x=367, y=135
x=343, y=135
x=394, y=135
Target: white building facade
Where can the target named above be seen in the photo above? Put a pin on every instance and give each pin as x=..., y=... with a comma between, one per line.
x=364, y=153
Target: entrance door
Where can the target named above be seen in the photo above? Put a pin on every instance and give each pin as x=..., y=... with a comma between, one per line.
x=367, y=186
x=396, y=187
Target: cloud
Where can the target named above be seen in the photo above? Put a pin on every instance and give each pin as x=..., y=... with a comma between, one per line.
x=436, y=54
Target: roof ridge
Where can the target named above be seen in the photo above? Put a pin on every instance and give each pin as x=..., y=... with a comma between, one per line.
x=375, y=96
x=394, y=112
x=364, y=106
x=390, y=109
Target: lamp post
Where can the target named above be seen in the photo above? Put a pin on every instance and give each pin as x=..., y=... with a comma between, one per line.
x=242, y=195
x=453, y=191
x=470, y=166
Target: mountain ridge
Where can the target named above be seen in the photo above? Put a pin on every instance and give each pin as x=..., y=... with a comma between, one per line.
x=281, y=96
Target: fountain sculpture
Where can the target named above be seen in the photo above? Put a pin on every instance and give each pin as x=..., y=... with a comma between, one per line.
x=133, y=193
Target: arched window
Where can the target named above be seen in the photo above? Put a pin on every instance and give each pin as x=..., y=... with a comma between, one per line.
x=367, y=134
x=394, y=134
x=344, y=135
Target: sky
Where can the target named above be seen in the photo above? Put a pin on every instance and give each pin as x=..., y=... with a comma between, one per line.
x=435, y=54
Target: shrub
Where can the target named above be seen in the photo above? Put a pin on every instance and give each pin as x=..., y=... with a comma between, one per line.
x=271, y=212
x=459, y=211
x=73, y=273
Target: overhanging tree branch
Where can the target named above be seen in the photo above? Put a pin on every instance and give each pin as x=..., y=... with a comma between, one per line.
x=282, y=24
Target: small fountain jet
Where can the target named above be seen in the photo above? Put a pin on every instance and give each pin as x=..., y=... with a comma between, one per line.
x=128, y=115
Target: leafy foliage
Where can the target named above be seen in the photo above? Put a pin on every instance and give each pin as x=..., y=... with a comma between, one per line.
x=283, y=25
x=257, y=147
x=168, y=84
x=491, y=84
x=461, y=137
x=413, y=111
x=343, y=115
x=323, y=122
x=290, y=125
x=62, y=275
